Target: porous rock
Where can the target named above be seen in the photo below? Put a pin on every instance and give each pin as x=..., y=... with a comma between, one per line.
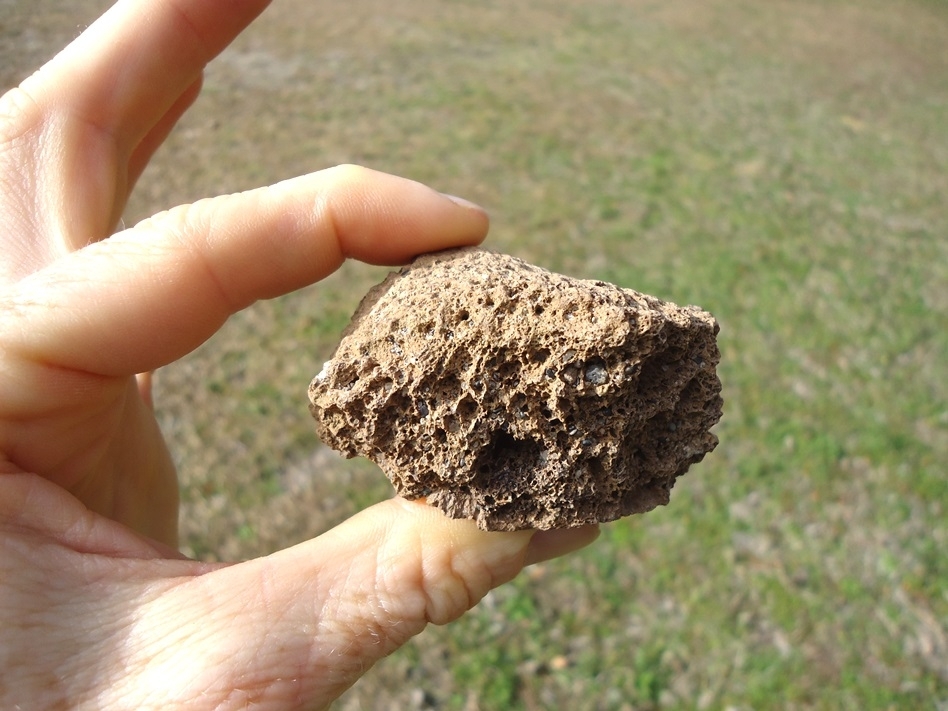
x=521, y=398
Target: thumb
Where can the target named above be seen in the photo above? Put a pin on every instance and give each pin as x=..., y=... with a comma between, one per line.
x=297, y=628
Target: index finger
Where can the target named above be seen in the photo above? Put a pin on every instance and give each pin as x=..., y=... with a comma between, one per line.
x=126, y=71
x=153, y=293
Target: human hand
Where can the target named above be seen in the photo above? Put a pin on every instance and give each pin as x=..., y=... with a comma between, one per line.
x=97, y=607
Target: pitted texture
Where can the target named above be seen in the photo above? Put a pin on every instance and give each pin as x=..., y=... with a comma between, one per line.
x=521, y=398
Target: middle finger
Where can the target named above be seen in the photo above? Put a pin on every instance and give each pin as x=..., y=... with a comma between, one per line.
x=125, y=72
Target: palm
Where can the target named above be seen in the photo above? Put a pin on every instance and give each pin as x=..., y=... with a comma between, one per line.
x=101, y=444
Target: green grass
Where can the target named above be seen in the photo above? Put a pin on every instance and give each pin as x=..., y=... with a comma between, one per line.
x=782, y=164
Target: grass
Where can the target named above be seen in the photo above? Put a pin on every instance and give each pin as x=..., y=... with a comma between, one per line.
x=783, y=165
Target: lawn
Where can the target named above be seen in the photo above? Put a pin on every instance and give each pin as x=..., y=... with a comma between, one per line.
x=782, y=164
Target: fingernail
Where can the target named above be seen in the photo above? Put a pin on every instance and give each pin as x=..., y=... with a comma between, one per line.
x=463, y=203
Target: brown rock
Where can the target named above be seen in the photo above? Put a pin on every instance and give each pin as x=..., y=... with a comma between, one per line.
x=518, y=397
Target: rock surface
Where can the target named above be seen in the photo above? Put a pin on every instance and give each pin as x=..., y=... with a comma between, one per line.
x=518, y=397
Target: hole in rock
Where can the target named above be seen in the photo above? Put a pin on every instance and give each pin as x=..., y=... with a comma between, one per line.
x=596, y=371
x=466, y=408
x=507, y=462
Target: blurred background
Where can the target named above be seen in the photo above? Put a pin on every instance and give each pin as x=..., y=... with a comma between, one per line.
x=782, y=164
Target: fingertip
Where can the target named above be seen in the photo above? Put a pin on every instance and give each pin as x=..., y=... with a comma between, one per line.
x=465, y=203
x=475, y=216
x=380, y=218
x=547, y=545
x=486, y=559
x=427, y=567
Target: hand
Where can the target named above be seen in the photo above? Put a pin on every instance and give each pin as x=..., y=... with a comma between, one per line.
x=97, y=607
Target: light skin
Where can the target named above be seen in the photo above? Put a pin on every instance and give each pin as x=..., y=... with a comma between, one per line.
x=97, y=607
